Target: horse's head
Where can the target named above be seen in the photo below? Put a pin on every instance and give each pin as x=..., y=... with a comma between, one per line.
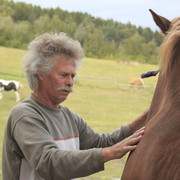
x=170, y=48
x=167, y=89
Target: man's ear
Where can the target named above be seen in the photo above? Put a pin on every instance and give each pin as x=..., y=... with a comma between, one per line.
x=161, y=22
x=40, y=77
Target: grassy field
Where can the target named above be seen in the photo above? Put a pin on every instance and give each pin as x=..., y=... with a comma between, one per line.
x=104, y=105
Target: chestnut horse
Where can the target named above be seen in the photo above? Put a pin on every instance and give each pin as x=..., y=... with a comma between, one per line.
x=137, y=82
x=157, y=156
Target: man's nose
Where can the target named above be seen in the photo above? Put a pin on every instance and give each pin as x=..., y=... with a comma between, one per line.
x=69, y=81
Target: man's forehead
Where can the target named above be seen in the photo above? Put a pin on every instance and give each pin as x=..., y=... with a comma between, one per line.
x=64, y=59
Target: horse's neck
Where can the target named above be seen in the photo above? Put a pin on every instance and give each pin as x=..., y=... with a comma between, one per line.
x=167, y=93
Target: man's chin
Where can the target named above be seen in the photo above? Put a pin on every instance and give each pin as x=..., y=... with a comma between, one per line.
x=63, y=98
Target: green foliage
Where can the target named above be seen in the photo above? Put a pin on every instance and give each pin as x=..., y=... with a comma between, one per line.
x=21, y=22
x=132, y=45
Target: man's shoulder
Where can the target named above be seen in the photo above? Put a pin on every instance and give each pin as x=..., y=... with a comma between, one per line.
x=23, y=105
x=24, y=108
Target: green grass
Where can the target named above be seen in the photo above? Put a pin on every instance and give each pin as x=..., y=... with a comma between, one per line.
x=105, y=106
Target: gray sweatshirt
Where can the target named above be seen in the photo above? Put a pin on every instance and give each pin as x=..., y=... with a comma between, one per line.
x=41, y=143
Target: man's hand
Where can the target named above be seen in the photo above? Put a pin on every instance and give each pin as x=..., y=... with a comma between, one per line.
x=120, y=149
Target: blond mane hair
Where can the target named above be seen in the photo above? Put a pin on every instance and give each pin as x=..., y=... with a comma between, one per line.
x=170, y=46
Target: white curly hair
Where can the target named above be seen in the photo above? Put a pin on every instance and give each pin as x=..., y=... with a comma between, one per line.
x=41, y=51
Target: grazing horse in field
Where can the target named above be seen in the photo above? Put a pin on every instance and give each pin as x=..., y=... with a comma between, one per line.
x=157, y=156
x=137, y=82
x=10, y=85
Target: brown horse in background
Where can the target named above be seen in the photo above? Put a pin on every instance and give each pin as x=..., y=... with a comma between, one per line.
x=136, y=82
x=157, y=156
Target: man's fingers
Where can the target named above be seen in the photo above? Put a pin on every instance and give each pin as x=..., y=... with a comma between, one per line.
x=134, y=140
x=132, y=148
x=139, y=130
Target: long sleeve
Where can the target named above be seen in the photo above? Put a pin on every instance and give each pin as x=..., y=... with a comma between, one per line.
x=91, y=139
x=52, y=163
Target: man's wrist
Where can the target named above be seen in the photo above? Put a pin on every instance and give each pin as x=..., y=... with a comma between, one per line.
x=106, y=154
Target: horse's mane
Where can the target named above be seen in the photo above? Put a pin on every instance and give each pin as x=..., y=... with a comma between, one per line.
x=170, y=47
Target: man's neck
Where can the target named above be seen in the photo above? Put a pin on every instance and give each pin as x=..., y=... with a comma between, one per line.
x=45, y=100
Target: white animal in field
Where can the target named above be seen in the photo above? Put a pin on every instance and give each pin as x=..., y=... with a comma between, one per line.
x=10, y=85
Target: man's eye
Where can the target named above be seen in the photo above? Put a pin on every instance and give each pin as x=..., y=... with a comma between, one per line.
x=63, y=75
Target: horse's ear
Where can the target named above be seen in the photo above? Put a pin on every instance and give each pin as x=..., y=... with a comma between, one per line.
x=161, y=22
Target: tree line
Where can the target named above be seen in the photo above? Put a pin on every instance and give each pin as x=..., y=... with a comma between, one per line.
x=108, y=39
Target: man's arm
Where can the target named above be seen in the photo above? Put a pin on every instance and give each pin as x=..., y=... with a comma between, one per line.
x=139, y=121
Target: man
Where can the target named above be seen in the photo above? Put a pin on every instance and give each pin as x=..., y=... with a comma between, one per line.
x=46, y=141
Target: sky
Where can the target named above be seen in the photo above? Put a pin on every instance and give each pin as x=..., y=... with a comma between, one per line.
x=134, y=11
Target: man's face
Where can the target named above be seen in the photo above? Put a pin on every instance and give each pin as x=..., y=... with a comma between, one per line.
x=56, y=86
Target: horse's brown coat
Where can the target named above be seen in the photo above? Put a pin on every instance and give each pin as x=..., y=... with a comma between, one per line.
x=136, y=82
x=157, y=156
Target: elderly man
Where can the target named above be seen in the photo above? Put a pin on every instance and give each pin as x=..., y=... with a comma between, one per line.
x=47, y=141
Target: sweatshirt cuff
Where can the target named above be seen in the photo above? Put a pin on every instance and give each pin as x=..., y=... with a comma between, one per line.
x=98, y=161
